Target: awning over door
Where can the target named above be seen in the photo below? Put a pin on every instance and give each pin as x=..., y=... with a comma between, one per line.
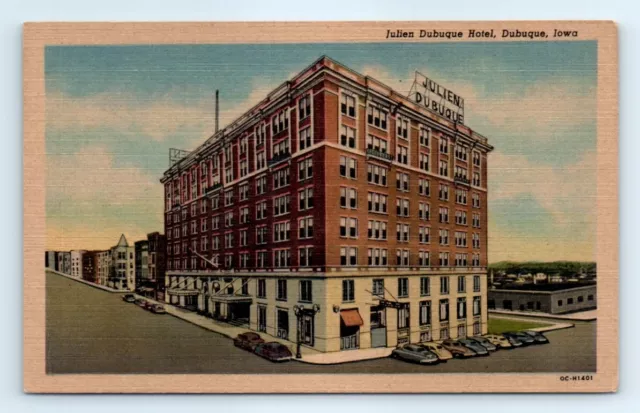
x=351, y=318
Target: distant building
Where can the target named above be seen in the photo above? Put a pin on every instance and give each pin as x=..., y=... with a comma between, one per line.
x=64, y=262
x=555, y=298
x=556, y=279
x=76, y=262
x=89, y=266
x=103, y=267
x=51, y=260
x=157, y=262
x=142, y=263
x=122, y=270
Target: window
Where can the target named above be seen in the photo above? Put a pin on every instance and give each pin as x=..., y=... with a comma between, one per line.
x=444, y=145
x=377, y=117
x=475, y=199
x=378, y=288
x=569, y=300
x=424, y=211
x=261, y=160
x=402, y=232
x=425, y=286
x=305, y=199
x=244, y=168
x=281, y=231
x=402, y=207
x=475, y=240
x=228, y=174
x=228, y=240
x=377, y=144
x=215, y=242
x=461, y=283
x=261, y=185
x=424, y=235
x=403, y=287
x=261, y=210
x=347, y=136
x=348, y=105
x=475, y=260
x=424, y=187
x=461, y=260
x=461, y=172
x=377, y=175
x=377, y=202
x=444, y=310
x=348, y=227
x=244, y=215
x=244, y=192
x=261, y=259
x=402, y=258
x=281, y=178
x=444, y=237
x=228, y=198
x=244, y=262
x=580, y=299
x=461, y=217
x=461, y=153
x=425, y=313
x=477, y=309
x=443, y=192
x=461, y=196
x=282, y=258
x=203, y=208
x=377, y=230
x=261, y=134
x=403, y=316
x=305, y=169
x=194, y=227
x=280, y=122
x=462, y=308
x=444, y=168
x=305, y=257
x=281, y=205
x=243, y=238
x=423, y=259
x=281, y=290
x=461, y=239
x=305, y=291
x=476, y=220
x=348, y=256
x=348, y=291
x=559, y=303
x=476, y=179
x=348, y=198
x=590, y=297
x=402, y=182
x=476, y=283
x=476, y=158
x=425, y=135
x=262, y=288
x=203, y=225
x=444, y=285
x=228, y=219
x=377, y=257
x=443, y=215
x=348, y=167
x=402, y=154
x=402, y=128
x=304, y=106
x=424, y=162
x=306, y=138
x=280, y=149
x=305, y=228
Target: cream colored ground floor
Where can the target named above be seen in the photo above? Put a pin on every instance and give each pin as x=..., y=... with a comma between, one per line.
x=340, y=312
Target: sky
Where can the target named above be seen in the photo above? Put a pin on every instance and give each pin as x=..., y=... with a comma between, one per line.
x=113, y=112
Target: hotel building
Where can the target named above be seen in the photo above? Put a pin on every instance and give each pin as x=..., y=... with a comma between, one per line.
x=337, y=212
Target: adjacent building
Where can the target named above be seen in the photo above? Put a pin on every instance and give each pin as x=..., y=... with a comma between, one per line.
x=122, y=269
x=64, y=262
x=157, y=263
x=142, y=263
x=337, y=212
x=76, y=262
x=554, y=298
x=89, y=266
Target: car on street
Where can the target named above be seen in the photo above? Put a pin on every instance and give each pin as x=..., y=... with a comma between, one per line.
x=478, y=348
x=437, y=349
x=525, y=339
x=415, y=354
x=129, y=298
x=140, y=302
x=248, y=341
x=157, y=309
x=457, y=349
x=484, y=342
x=537, y=336
x=274, y=351
x=501, y=341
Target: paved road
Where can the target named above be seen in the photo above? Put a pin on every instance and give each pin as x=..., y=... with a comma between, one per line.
x=93, y=331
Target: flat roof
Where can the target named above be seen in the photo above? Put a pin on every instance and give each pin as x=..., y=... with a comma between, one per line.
x=552, y=287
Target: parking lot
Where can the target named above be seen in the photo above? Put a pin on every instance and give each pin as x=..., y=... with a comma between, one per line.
x=93, y=331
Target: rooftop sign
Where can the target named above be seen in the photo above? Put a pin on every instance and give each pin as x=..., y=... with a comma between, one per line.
x=436, y=98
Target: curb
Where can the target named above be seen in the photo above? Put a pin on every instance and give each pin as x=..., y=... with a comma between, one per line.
x=88, y=283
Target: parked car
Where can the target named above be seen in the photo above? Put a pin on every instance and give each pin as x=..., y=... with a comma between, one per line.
x=437, y=349
x=501, y=341
x=415, y=354
x=525, y=339
x=248, y=341
x=129, y=298
x=157, y=309
x=458, y=349
x=478, y=348
x=140, y=302
x=484, y=343
x=274, y=351
x=538, y=337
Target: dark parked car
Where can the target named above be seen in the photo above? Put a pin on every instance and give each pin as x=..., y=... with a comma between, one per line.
x=156, y=309
x=129, y=298
x=458, y=349
x=478, y=348
x=273, y=351
x=248, y=341
x=484, y=343
x=523, y=338
x=538, y=337
x=414, y=354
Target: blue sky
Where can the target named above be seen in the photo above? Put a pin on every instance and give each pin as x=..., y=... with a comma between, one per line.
x=114, y=111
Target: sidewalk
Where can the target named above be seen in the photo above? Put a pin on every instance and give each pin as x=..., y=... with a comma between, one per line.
x=552, y=327
x=590, y=315
x=80, y=280
x=349, y=356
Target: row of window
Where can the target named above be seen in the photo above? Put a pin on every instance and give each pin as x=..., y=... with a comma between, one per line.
x=377, y=257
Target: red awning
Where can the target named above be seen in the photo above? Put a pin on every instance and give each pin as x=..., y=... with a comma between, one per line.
x=351, y=318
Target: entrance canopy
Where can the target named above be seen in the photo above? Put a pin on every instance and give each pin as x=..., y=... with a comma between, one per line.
x=351, y=318
x=232, y=299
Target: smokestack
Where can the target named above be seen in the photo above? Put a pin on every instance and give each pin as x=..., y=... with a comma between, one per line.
x=217, y=110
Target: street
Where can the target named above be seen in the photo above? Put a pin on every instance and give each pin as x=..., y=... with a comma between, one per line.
x=94, y=331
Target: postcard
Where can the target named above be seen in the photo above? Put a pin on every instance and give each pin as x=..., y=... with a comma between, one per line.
x=329, y=207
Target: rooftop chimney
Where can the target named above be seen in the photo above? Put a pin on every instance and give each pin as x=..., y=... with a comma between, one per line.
x=217, y=110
